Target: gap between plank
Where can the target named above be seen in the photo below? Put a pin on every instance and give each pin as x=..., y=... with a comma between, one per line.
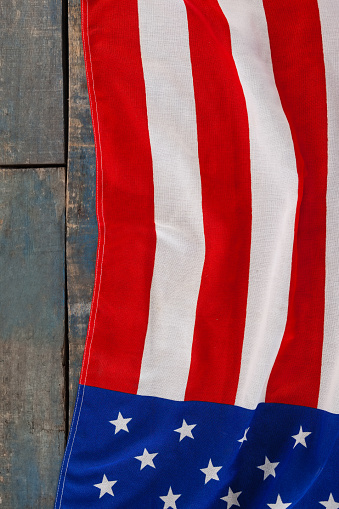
x=32, y=166
x=65, y=70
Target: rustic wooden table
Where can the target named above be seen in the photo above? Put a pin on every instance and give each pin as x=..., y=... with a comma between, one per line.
x=48, y=239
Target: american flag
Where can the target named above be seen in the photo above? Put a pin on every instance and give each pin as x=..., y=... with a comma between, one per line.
x=210, y=376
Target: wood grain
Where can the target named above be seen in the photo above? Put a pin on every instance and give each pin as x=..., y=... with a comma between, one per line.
x=31, y=82
x=32, y=243
x=81, y=218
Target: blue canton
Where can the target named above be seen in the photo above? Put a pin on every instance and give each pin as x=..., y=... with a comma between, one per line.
x=128, y=451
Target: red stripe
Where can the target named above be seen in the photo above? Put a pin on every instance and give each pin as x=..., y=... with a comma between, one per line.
x=297, y=56
x=125, y=202
x=223, y=139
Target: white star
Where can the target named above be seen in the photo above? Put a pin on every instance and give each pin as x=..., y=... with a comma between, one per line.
x=244, y=438
x=185, y=430
x=120, y=423
x=170, y=499
x=268, y=467
x=146, y=459
x=232, y=498
x=331, y=503
x=300, y=437
x=211, y=472
x=279, y=504
x=105, y=486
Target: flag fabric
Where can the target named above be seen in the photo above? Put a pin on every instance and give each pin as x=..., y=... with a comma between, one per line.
x=210, y=376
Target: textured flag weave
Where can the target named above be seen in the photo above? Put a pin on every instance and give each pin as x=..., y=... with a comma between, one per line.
x=210, y=376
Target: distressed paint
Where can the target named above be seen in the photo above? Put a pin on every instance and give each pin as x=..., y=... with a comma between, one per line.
x=32, y=244
x=81, y=218
x=32, y=309
x=31, y=82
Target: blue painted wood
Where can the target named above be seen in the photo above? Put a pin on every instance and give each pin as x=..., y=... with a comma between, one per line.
x=81, y=218
x=32, y=311
x=31, y=82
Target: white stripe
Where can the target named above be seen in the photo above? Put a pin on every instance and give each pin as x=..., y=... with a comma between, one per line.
x=274, y=183
x=329, y=383
x=180, y=248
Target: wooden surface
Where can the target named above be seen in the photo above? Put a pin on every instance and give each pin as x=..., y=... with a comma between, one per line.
x=81, y=218
x=32, y=243
x=31, y=83
x=48, y=237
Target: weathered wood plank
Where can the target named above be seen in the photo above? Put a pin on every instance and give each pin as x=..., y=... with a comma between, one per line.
x=32, y=431
x=81, y=218
x=31, y=83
